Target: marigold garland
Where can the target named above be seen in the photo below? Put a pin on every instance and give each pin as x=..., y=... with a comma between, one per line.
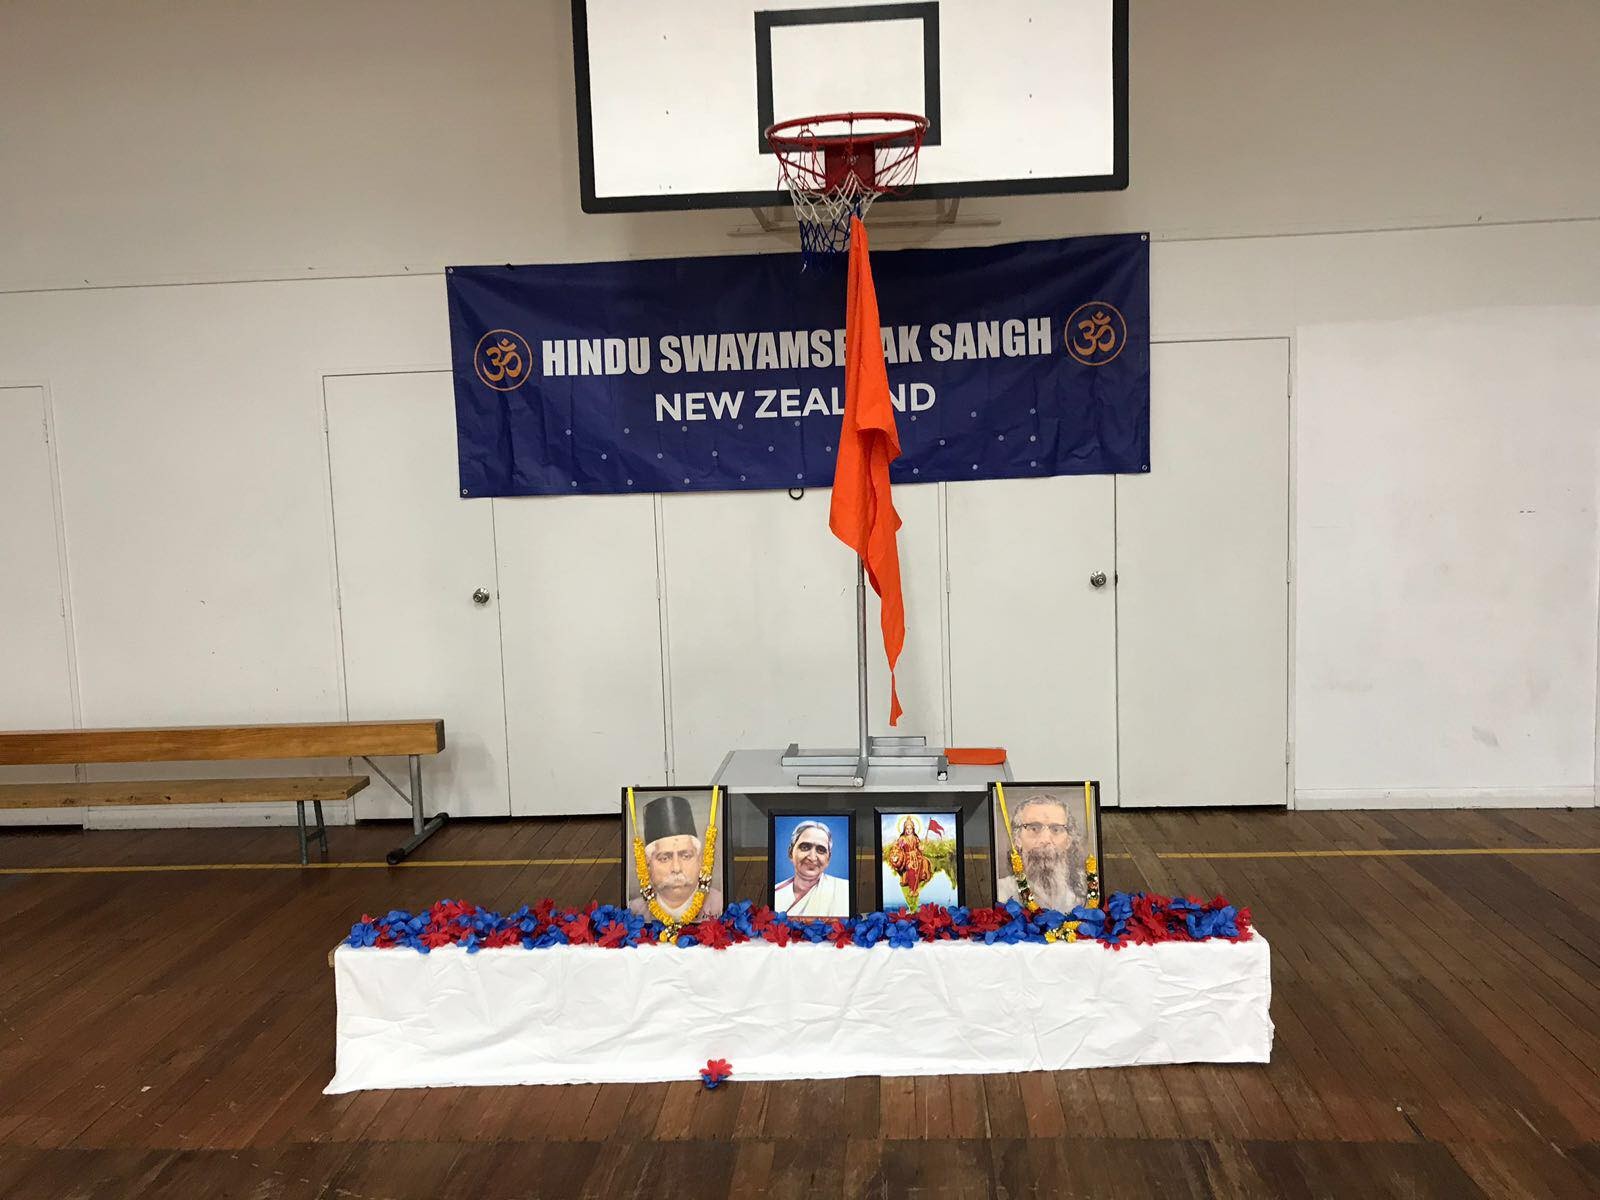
x=1024, y=892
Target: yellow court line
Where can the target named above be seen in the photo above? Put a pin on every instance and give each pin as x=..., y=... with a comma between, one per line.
x=1416, y=853
x=435, y=864
x=315, y=866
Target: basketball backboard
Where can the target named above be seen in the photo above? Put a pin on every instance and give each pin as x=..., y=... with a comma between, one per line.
x=1022, y=96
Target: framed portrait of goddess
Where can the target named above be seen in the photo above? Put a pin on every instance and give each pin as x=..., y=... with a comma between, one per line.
x=919, y=858
x=1051, y=832
x=668, y=829
x=811, y=864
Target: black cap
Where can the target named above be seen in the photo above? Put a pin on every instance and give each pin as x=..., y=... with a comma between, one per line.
x=668, y=816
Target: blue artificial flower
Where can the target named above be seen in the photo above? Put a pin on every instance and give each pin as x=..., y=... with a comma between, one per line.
x=737, y=916
x=814, y=931
x=550, y=937
x=1048, y=919
x=1219, y=922
x=868, y=933
x=903, y=934
x=362, y=933
x=960, y=915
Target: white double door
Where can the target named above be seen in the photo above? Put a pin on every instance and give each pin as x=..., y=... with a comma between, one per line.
x=1134, y=628
x=528, y=625
x=638, y=638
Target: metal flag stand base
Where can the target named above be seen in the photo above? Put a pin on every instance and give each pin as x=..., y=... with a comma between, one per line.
x=848, y=767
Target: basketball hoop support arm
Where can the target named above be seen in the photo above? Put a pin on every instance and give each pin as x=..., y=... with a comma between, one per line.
x=945, y=217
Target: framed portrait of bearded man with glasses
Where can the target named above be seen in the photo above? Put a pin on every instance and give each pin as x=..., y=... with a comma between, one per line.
x=1047, y=844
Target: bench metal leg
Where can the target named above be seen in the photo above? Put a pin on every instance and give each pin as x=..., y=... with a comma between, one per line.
x=421, y=830
x=320, y=832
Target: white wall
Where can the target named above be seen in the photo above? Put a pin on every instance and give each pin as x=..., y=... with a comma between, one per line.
x=1447, y=471
x=150, y=154
x=301, y=139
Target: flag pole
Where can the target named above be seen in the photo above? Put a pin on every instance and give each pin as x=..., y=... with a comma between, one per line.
x=861, y=661
x=861, y=514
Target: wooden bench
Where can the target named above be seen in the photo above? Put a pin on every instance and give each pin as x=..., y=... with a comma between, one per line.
x=334, y=739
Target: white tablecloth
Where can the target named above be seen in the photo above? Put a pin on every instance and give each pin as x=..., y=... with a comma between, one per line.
x=583, y=1014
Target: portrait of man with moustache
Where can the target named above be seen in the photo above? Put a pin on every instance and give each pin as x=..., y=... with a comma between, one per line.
x=673, y=846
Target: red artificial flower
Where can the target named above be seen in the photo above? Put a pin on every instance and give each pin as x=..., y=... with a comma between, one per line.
x=709, y=933
x=445, y=911
x=509, y=936
x=841, y=936
x=987, y=920
x=435, y=936
x=760, y=918
x=614, y=936
x=716, y=1070
x=543, y=909
x=578, y=929
x=779, y=933
x=643, y=937
x=933, y=922
x=1242, y=920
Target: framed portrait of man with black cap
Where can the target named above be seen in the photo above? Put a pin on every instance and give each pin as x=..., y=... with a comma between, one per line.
x=666, y=836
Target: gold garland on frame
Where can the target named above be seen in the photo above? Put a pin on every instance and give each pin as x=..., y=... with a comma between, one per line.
x=641, y=865
x=1091, y=864
x=1024, y=892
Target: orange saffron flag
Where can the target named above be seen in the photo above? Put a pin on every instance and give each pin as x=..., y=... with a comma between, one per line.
x=862, y=515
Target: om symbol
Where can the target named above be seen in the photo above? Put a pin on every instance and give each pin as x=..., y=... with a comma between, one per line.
x=501, y=359
x=1095, y=333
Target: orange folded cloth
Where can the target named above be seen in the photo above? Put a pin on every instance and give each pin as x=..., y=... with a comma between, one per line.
x=975, y=756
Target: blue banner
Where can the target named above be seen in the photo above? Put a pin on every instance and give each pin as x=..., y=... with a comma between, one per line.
x=704, y=374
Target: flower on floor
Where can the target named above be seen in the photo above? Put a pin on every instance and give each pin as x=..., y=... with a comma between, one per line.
x=716, y=1071
x=1136, y=918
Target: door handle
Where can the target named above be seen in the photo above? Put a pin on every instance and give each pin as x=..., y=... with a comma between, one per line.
x=480, y=596
x=1098, y=579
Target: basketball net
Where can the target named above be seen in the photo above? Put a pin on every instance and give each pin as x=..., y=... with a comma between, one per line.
x=835, y=166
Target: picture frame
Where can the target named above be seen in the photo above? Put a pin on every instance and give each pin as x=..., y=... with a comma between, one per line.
x=656, y=813
x=939, y=849
x=1060, y=850
x=832, y=894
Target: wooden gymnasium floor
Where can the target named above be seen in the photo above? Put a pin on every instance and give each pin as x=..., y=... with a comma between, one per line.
x=166, y=1029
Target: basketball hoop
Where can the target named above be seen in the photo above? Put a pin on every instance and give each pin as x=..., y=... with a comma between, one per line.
x=836, y=165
